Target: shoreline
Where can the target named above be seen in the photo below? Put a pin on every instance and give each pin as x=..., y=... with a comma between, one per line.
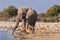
x=49, y=25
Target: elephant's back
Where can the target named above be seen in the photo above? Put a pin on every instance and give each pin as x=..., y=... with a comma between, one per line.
x=20, y=10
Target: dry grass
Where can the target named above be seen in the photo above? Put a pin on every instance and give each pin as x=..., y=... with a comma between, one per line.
x=39, y=36
x=41, y=29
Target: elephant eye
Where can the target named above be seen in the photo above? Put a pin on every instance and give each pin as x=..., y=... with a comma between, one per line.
x=24, y=13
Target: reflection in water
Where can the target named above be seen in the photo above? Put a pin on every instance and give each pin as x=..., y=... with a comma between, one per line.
x=6, y=35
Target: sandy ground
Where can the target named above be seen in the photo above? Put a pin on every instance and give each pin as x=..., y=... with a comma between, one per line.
x=44, y=31
x=38, y=36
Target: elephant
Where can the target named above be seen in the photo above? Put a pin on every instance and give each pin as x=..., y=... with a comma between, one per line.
x=27, y=16
x=31, y=18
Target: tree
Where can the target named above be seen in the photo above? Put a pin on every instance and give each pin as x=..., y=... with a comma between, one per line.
x=41, y=15
x=0, y=14
x=53, y=11
x=50, y=20
x=11, y=10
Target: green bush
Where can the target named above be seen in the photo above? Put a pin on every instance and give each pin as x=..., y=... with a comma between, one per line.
x=11, y=10
x=53, y=11
x=50, y=20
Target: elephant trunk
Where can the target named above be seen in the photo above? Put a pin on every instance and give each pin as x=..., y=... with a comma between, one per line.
x=17, y=22
x=15, y=27
x=26, y=24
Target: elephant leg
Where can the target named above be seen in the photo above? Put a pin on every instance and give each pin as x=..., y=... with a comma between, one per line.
x=24, y=23
x=33, y=27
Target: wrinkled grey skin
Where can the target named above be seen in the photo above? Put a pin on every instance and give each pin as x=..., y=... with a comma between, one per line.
x=26, y=15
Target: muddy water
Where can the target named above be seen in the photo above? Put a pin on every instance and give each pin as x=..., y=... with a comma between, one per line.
x=6, y=35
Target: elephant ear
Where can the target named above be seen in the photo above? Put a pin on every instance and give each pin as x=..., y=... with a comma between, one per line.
x=29, y=13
